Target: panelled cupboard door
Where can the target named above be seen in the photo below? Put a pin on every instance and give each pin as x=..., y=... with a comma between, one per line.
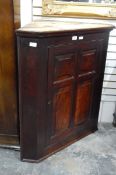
x=72, y=73
x=87, y=69
x=61, y=79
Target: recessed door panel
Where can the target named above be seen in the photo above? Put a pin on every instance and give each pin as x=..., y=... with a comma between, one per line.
x=64, y=66
x=87, y=61
x=83, y=102
x=61, y=109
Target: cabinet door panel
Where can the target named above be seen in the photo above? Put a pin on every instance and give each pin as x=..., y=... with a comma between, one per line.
x=88, y=61
x=61, y=75
x=88, y=58
x=61, y=109
x=64, y=66
x=83, y=102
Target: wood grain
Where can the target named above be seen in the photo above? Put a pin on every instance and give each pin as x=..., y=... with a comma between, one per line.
x=60, y=83
x=8, y=92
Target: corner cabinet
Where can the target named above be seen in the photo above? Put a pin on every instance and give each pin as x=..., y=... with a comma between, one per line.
x=60, y=83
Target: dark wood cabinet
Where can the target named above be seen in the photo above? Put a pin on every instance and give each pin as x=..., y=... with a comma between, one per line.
x=9, y=125
x=60, y=83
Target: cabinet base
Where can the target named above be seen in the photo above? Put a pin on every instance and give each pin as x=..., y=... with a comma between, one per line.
x=58, y=147
x=9, y=140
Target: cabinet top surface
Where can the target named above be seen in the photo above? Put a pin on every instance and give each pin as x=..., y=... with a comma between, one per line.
x=43, y=26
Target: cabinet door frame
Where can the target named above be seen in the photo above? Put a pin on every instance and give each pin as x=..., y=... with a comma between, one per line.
x=67, y=82
x=89, y=50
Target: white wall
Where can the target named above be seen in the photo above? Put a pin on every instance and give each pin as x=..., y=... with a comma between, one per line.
x=26, y=11
x=108, y=99
x=37, y=8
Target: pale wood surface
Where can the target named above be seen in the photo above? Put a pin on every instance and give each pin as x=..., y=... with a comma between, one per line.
x=46, y=25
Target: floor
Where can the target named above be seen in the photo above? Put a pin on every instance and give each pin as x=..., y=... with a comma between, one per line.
x=93, y=155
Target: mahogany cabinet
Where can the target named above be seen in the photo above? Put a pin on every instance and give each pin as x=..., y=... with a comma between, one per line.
x=60, y=83
x=9, y=125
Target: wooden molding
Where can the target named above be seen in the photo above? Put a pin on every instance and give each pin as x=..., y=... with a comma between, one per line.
x=74, y=9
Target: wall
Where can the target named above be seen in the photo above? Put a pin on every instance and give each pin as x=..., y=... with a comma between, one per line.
x=108, y=99
x=37, y=8
x=26, y=11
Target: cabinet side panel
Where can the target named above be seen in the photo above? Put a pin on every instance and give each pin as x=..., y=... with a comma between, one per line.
x=32, y=94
